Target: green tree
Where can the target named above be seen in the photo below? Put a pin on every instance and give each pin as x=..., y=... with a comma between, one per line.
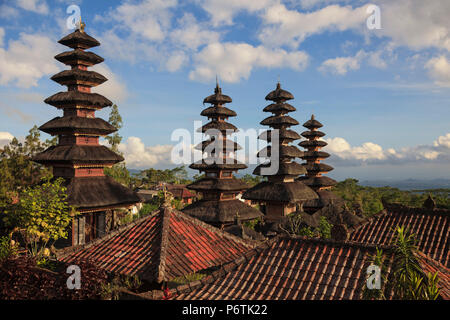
x=252, y=180
x=119, y=171
x=17, y=170
x=176, y=175
x=42, y=214
x=409, y=282
x=115, y=119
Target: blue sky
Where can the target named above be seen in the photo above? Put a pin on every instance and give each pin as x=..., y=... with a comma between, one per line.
x=382, y=95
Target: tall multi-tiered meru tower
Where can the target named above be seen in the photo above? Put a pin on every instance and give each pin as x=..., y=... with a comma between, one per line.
x=280, y=194
x=78, y=157
x=219, y=188
x=313, y=156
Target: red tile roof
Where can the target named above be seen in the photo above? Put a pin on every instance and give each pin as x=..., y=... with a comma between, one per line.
x=430, y=265
x=291, y=269
x=430, y=226
x=180, y=191
x=162, y=246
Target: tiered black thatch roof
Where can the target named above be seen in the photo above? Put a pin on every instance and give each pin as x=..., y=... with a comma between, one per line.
x=315, y=168
x=219, y=188
x=313, y=155
x=80, y=125
x=280, y=186
x=79, y=40
x=72, y=99
x=90, y=193
x=78, y=154
x=74, y=158
x=77, y=76
x=79, y=57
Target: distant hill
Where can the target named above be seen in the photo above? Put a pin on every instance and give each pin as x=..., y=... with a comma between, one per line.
x=409, y=184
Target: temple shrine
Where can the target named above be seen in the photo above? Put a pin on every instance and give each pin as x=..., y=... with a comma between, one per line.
x=78, y=157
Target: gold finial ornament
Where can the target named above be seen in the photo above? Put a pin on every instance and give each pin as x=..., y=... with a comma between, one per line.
x=81, y=26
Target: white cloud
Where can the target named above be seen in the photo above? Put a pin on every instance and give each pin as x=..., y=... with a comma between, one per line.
x=7, y=12
x=222, y=12
x=150, y=18
x=341, y=65
x=139, y=156
x=2, y=36
x=191, y=34
x=235, y=61
x=37, y=6
x=176, y=61
x=114, y=89
x=443, y=142
x=439, y=70
x=417, y=24
x=27, y=59
x=291, y=27
x=371, y=153
x=5, y=138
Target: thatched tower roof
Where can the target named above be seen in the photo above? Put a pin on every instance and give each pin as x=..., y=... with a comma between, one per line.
x=78, y=157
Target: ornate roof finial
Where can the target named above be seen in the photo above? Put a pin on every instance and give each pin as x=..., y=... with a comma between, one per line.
x=217, y=89
x=312, y=117
x=81, y=25
x=167, y=201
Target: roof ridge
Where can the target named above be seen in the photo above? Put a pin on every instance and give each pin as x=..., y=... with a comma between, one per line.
x=165, y=230
x=420, y=254
x=247, y=243
x=397, y=208
x=224, y=269
x=367, y=220
x=346, y=243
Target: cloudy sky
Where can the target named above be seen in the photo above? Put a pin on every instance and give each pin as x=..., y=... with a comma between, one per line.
x=383, y=95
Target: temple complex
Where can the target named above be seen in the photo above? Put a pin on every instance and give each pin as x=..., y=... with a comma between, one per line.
x=219, y=188
x=280, y=194
x=314, y=168
x=78, y=157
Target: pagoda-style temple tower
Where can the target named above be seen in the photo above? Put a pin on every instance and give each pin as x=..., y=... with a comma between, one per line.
x=219, y=188
x=315, y=169
x=78, y=157
x=281, y=194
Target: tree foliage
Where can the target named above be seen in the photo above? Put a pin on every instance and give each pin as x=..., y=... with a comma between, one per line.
x=42, y=213
x=119, y=171
x=370, y=199
x=115, y=119
x=17, y=170
x=409, y=281
x=252, y=180
x=152, y=176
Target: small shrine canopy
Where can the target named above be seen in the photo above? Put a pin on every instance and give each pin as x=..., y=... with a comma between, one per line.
x=162, y=246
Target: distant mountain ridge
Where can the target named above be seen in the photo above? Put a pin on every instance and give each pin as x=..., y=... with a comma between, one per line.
x=405, y=184
x=409, y=184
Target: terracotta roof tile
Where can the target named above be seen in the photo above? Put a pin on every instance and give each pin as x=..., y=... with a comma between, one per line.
x=430, y=227
x=294, y=269
x=162, y=246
